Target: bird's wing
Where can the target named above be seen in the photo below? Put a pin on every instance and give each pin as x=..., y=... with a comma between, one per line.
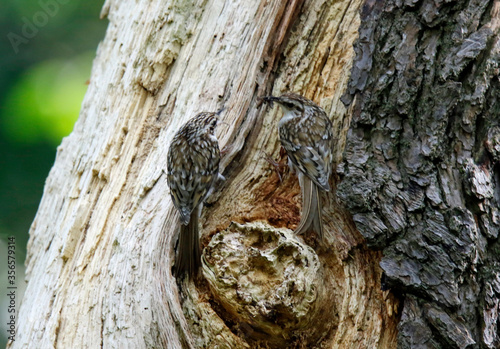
x=310, y=148
x=192, y=174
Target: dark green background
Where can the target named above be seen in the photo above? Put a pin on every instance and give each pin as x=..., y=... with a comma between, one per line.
x=47, y=50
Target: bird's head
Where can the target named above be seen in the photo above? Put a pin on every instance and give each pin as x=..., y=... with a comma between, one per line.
x=291, y=103
x=206, y=121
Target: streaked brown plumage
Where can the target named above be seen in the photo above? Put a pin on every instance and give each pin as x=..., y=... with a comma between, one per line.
x=306, y=133
x=192, y=169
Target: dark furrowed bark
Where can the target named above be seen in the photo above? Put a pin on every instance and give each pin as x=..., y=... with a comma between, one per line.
x=421, y=169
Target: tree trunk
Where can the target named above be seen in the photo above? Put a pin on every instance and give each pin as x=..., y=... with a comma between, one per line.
x=101, y=246
x=421, y=170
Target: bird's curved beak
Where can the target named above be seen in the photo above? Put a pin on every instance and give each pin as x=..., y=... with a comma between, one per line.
x=270, y=99
x=217, y=116
x=218, y=112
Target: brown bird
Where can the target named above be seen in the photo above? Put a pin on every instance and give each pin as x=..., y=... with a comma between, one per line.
x=306, y=133
x=192, y=170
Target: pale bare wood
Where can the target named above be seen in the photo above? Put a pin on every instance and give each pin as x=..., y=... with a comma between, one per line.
x=100, y=251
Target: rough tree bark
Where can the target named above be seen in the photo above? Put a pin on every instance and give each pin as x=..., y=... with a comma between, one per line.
x=421, y=170
x=101, y=246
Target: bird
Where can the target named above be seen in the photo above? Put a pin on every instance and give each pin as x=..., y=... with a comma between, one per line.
x=192, y=171
x=306, y=133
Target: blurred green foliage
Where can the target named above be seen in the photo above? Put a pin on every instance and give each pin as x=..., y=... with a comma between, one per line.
x=47, y=50
x=44, y=103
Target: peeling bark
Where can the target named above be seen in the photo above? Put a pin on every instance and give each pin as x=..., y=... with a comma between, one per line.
x=421, y=171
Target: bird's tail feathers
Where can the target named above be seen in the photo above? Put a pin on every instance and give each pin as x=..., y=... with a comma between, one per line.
x=311, y=208
x=188, y=256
